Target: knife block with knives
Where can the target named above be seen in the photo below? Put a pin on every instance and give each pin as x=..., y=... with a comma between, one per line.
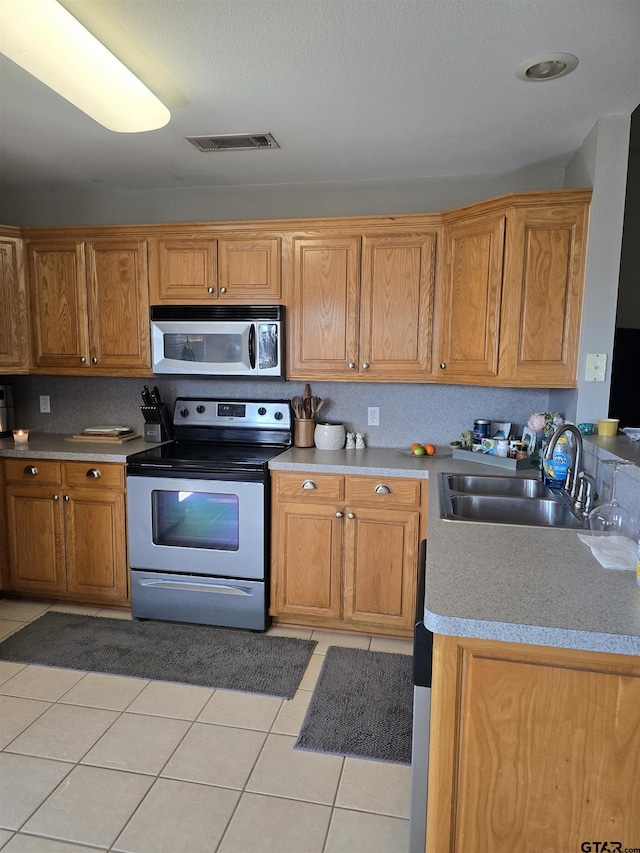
x=157, y=424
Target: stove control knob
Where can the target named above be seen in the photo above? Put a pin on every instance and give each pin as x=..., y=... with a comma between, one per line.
x=200, y=409
x=278, y=416
x=184, y=413
x=262, y=410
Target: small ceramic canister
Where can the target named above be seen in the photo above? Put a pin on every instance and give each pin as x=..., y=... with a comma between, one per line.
x=360, y=440
x=351, y=441
x=329, y=436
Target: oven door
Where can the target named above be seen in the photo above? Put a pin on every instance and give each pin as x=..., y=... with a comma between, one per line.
x=202, y=527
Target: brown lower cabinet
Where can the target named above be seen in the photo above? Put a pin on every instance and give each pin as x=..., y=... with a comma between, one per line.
x=532, y=748
x=344, y=551
x=66, y=530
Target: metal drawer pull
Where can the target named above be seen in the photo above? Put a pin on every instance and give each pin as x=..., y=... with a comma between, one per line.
x=94, y=472
x=352, y=364
x=338, y=515
x=309, y=484
x=56, y=497
x=382, y=489
x=223, y=290
x=365, y=366
x=351, y=515
x=83, y=360
x=209, y=290
x=30, y=469
x=94, y=360
x=198, y=587
x=66, y=498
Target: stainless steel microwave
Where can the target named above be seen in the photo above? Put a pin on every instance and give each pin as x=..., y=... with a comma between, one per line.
x=218, y=340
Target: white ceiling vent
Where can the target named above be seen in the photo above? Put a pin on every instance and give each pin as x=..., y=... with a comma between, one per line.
x=234, y=142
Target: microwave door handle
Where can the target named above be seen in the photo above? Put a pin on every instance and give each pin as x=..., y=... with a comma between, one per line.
x=252, y=346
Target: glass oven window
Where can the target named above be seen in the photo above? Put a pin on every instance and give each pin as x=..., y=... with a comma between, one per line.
x=195, y=520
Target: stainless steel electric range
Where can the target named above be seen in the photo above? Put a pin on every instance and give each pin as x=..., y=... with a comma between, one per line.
x=198, y=514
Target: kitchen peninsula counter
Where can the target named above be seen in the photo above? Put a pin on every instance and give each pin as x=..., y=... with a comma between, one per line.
x=57, y=446
x=539, y=586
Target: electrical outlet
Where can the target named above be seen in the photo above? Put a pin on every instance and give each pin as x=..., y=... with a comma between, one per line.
x=374, y=416
x=45, y=403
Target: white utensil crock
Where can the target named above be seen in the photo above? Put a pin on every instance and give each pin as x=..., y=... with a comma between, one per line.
x=329, y=436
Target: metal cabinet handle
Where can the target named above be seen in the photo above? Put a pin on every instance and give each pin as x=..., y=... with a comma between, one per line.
x=443, y=366
x=94, y=472
x=65, y=498
x=83, y=360
x=352, y=365
x=209, y=290
x=30, y=469
x=56, y=497
x=338, y=515
x=350, y=515
x=223, y=290
x=309, y=484
x=382, y=489
x=365, y=366
x=94, y=360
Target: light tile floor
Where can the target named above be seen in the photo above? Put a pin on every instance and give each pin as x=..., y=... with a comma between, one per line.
x=99, y=762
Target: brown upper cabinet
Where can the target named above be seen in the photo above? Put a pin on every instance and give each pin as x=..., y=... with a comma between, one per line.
x=188, y=268
x=14, y=348
x=361, y=306
x=487, y=294
x=508, y=308
x=89, y=306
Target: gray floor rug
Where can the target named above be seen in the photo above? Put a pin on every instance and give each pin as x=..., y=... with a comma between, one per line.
x=362, y=706
x=164, y=651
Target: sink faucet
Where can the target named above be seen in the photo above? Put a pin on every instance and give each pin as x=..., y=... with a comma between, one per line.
x=575, y=472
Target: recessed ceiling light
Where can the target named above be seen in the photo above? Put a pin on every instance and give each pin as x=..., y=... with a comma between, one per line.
x=549, y=66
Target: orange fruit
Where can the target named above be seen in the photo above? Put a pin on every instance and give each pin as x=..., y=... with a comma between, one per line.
x=415, y=446
x=430, y=449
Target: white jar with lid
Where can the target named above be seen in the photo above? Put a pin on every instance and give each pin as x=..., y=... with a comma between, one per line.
x=329, y=436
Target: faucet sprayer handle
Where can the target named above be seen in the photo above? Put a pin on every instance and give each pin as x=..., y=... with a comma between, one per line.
x=587, y=493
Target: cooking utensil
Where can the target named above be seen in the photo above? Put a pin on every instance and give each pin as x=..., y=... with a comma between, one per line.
x=296, y=405
x=146, y=396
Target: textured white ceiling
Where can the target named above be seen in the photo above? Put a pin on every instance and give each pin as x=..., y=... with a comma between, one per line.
x=352, y=90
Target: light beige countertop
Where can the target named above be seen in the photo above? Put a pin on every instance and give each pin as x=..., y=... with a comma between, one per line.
x=497, y=581
x=44, y=445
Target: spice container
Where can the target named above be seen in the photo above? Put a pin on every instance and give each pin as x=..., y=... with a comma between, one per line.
x=481, y=429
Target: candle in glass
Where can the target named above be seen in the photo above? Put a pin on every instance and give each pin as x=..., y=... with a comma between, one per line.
x=21, y=436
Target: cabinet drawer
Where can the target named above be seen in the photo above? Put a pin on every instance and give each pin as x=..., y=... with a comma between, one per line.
x=32, y=471
x=107, y=474
x=401, y=491
x=312, y=487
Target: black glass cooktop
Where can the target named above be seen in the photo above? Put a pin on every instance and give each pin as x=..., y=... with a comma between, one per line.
x=206, y=456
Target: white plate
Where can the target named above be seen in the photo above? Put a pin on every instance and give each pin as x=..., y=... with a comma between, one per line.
x=440, y=451
x=632, y=432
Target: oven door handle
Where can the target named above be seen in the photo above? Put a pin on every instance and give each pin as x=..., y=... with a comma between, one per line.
x=252, y=345
x=221, y=589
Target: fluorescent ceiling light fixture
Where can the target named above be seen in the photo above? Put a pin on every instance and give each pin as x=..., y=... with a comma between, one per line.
x=44, y=39
x=549, y=66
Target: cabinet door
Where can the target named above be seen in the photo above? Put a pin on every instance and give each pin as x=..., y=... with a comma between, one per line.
x=381, y=567
x=537, y=749
x=59, y=330
x=468, y=312
x=96, y=544
x=36, y=539
x=182, y=269
x=325, y=311
x=397, y=305
x=14, y=355
x=249, y=269
x=307, y=562
x=118, y=302
x=542, y=303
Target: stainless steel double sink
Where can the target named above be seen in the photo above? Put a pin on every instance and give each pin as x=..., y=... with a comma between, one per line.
x=504, y=500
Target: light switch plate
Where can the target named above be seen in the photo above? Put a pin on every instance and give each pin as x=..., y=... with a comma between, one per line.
x=596, y=367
